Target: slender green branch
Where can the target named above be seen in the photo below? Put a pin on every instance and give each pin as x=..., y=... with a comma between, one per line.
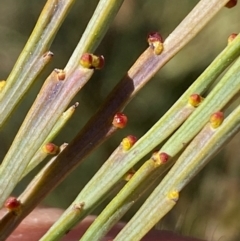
x=96, y=29
x=125, y=199
x=111, y=171
x=53, y=99
x=40, y=154
x=221, y=95
x=34, y=56
x=206, y=144
x=145, y=67
x=36, y=121
x=61, y=122
x=8, y=222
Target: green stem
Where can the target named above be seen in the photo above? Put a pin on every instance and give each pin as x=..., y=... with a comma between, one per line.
x=34, y=56
x=193, y=159
x=40, y=155
x=111, y=172
x=96, y=29
x=145, y=67
x=52, y=100
x=125, y=199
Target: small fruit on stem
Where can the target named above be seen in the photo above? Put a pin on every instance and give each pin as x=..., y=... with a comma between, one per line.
x=216, y=119
x=160, y=157
x=128, y=142
x=86, y=60
x=12, y=204
x=173, y=195
x=164, y=157
x=195, y=100
x=120, y=120
x=92, y=61
x=50, y=149
x=98, y=62
x=156, y=42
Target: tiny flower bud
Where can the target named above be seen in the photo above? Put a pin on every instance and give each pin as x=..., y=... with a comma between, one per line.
x=173, y=195
x=231, y=4
x=50, y=149
x=120, y=120
x=232, y=37
x=156, y=42
x=195, y=100
x=98, y=62
x=12, y=204
x=129, y=175
x=128, y=142
x=216, y=119
x=92, y=61
x=160, y=158
x=60, y=74
x=86, y=60
x=163, y=157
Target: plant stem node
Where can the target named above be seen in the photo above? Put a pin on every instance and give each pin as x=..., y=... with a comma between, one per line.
x=155, y=41
x=12, y=204
x=128, y=142
x=120, y=120
x=216, y=119
x=195, y=100
x=91, y=61
x=173, y=195
x=60, y=74
x=160, y=157
x=50, y=149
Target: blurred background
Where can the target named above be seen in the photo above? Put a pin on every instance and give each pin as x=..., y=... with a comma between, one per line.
x=209, y=207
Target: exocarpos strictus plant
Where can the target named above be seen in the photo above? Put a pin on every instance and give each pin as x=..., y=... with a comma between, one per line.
x=201, y=117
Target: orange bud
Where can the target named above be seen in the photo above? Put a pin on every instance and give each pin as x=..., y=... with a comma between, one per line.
x=12, y=204
x=164, y=157
x=160, y=157
x=216, y=119
x=50, y=149
x=92, y=61
x=156, y=42
x=98, y=62
x=86, y=60
x=120, y=120
x=195, y=100
x=128, y=142
x=173, y=195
